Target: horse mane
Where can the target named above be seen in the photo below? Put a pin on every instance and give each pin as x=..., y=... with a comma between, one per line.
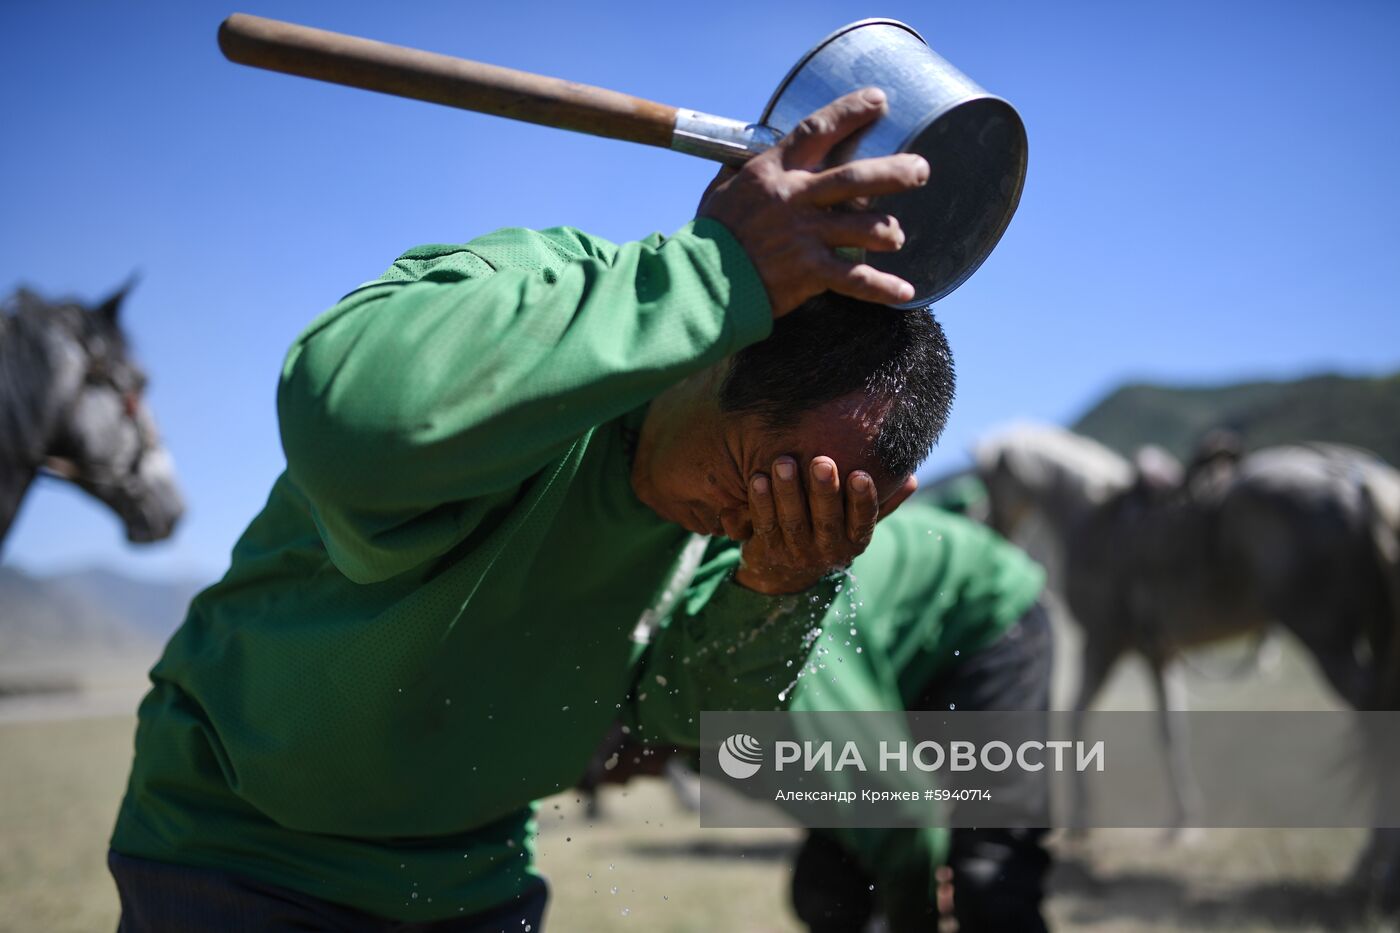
x=27, y=371
x=26, y=312
x=1044, y=458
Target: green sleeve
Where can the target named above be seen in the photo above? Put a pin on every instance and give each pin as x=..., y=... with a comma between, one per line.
x=724, y=647
x=421, y=399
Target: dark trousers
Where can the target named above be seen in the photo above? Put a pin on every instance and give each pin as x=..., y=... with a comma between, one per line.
x=998, y=874
x=161, y=898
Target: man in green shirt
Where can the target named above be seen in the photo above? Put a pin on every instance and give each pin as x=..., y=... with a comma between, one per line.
x=944, y=614
x=482, y=549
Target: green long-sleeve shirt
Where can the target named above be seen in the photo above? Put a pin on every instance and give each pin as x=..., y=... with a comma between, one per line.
x=430, y=623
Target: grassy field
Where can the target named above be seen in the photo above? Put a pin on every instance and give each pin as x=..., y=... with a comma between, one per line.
x=63, y=779
x=63, y=774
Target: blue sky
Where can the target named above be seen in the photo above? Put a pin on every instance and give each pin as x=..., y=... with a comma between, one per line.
x=1212, y=195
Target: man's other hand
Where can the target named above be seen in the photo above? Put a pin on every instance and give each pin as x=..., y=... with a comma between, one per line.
x=779, y=208
x=801, y=534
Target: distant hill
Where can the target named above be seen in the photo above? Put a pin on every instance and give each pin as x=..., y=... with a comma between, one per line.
x=88, y=613
x=1349, y=410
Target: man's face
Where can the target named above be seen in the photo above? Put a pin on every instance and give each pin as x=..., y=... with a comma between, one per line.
x=694, y=462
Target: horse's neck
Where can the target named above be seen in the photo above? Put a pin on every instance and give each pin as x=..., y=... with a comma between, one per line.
x=1064, y=506
x=38, y=376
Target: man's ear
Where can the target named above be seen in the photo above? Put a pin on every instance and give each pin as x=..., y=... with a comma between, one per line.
x=911, y=483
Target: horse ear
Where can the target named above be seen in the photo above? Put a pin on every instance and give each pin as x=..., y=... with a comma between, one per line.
x=112, y=304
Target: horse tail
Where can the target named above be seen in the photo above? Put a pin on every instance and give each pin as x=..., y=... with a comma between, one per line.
x=1381, y=495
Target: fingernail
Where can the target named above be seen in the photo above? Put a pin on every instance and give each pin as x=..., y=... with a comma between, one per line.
x=860, y=482
x=898, y=230
x=874, y=95
x=822, y=472
x=906, y=292
x=921, y=171
x=785, y=469
x=760, y=484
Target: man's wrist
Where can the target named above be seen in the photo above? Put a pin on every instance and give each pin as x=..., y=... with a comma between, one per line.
x=781, y=584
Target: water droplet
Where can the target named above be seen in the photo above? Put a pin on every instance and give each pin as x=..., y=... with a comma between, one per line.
x=565, y=709
x=956, y=653
x=952, y=706
x=614, y=889
x=415, y=895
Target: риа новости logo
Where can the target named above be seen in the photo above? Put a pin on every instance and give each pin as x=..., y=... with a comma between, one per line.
x=741, y=756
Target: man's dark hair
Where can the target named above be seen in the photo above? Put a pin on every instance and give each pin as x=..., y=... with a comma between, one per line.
x=833, y=346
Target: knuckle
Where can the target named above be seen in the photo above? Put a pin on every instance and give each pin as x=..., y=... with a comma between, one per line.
x=847, y=175
x=816, y=124
x=861, y=275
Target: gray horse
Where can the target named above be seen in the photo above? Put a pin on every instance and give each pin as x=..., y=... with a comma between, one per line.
x=1302, y=535
x=72, y=406
x=1155, y=562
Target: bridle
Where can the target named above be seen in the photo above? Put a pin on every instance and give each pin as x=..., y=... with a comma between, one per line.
x=128, y=385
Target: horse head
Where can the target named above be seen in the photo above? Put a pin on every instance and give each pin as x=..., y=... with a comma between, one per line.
x=96, y=429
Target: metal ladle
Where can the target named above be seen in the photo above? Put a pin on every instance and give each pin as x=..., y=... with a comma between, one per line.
x=975, y=143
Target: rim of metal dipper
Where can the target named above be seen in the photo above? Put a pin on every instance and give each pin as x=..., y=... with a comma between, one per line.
x=802, y=62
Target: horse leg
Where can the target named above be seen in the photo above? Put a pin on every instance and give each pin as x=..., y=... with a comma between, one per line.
x=1171, y=698
x=1098, y=660
x=1375, y=875
x=1332, y=635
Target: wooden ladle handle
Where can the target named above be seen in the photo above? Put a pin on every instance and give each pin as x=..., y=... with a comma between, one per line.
x=443, y=79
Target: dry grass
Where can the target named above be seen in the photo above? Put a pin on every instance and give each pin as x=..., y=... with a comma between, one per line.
x=62, y=780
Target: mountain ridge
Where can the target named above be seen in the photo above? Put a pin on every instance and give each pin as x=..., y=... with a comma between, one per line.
x=1363, y=411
